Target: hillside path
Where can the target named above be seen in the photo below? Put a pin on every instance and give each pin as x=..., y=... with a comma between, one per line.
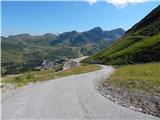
x=73, y=97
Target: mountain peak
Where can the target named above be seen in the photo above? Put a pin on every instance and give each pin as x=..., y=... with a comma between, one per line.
x=46, y=34
x=97, y=29
x=119, y=31
x=49, y=35
x=119, y=28
x=74, y=31
x=23, y=35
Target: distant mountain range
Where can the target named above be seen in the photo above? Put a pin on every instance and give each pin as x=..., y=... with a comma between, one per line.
x=24, y=52
x=140, y=44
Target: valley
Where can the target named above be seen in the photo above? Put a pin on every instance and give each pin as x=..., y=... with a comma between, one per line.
x=23, y=52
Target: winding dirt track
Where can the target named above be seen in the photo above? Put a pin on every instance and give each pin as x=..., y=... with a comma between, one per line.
x=72, y=97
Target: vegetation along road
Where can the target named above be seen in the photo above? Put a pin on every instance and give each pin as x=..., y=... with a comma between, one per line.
x=68, y=97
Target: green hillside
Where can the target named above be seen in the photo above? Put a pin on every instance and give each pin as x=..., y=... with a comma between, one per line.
x=140, y=44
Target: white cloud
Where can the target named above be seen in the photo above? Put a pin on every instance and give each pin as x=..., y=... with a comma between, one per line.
x=121, y=3
x=91, y=2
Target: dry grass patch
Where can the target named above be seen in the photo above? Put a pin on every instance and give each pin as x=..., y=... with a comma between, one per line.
x=35, y=76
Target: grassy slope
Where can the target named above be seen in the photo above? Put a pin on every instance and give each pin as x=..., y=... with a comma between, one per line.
x=23, y=55
x=140, y=44
x=35, y=76
x=143, y=77
x=146, y=50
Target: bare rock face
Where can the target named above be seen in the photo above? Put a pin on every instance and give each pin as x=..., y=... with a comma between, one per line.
x=73, y=62
x=70, y=64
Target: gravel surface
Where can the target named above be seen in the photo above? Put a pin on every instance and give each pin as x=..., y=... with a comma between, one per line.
x=72, y=97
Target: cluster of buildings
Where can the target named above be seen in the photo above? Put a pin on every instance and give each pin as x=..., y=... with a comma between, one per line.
x=46, y=64
x=60, y=65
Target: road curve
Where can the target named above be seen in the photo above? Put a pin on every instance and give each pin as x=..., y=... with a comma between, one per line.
x=72, y=97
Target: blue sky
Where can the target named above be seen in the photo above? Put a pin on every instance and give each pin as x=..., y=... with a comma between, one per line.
x=38, y=18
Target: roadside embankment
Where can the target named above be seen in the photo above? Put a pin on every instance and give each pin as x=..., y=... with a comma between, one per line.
x=134, y=86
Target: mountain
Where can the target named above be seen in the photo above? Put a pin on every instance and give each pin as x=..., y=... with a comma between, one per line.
x=24, y=52
x=88, y=42
x=140, y=44
x=117, y=33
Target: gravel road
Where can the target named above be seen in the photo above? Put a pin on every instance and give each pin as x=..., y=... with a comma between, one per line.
x=72, y=97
